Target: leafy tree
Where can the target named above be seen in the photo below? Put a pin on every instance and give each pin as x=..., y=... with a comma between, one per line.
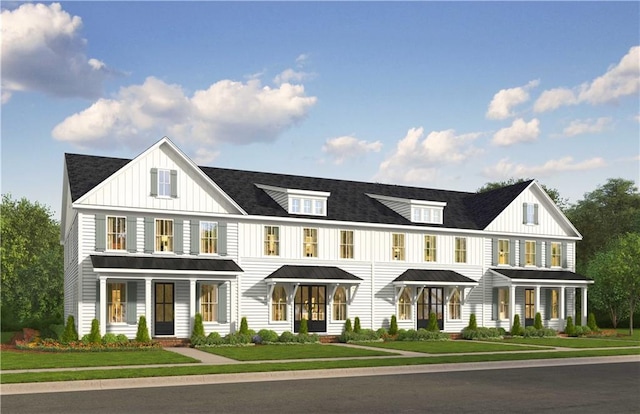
x=551, y=192
x=606, y=294
x=32, y=265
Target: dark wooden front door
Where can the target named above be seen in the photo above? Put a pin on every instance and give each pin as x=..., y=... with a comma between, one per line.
x=164, y=309
x=311, y=304
x=529, y=307
x=431, y=300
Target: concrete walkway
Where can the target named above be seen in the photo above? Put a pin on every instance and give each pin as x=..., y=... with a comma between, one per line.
x=203, y=357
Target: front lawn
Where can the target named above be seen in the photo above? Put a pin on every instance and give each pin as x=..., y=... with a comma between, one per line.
x=575, y=342
x=34, y=360
x=276, y=352
x=448, y=347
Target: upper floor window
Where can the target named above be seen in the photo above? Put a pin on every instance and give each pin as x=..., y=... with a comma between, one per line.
x=209, y=302
x=305, y=205
x=116, y=233
x=503, y=252
x=530, y=213
x=164, y=182
x=346, y=244
x=530, y=253
x=310, y=242
x=461, y=250
x=208, y=237
x=556, y=254
x=117, y=302
x=340, y=304
x=427, y=215
x=429, y=248
x=164, y=235
x=397, y=246
x=271, y=241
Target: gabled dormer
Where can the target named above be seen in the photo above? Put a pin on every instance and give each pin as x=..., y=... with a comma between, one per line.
x=297, y=201
x=416, y=211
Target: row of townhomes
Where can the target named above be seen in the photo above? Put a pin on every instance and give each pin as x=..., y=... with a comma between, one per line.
x=160, y=237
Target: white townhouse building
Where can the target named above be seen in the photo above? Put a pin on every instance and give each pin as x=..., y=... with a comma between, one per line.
x=160, y=237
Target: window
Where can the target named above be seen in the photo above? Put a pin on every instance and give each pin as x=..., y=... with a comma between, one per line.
x=306, y=205
x=556, y=254
x=116, y=233
x=306, y=202
x=279, y=304
x=164, y=183
x=318, y=207
x=310, y=243
x=208, y=237
x=346, y=244
x=117, y=302
x=397, y=246
x=503, y=252
x=429, y=248
x=404, y=306
x=529, y=304
x=503, y=303
x=295, y=205
x=529, y=253
x=530, y=213
x=209, y=302
x=164, y=235
x=431, y=215
x=271, y=241
x=455, y=311
x=461, y=250
x=340, y=304
x=554, y=305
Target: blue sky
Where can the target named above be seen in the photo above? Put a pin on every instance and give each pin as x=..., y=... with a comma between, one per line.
x=442, y=95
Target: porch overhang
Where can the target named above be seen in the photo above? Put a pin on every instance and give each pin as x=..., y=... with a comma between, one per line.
x=323, y=275
x=146, y=265
x=541, y=277
x=429, y=277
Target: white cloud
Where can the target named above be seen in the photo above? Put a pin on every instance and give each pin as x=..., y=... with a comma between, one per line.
x=347, y=147
x=204, y=156
x=43, y=51
x=619, y=81
x=506, y=169
x=228, y=111
x=302, y=59
x=417, y=157
x=291, y=76
x=519, y=131
x=586, y=126
x=505, y=100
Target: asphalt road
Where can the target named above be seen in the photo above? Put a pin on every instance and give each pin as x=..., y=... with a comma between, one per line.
x=603, y=388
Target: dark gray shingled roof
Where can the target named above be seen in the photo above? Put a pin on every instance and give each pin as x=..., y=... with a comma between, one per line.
x=541, y=274
x=348, y=200
x=312, y=272
x=427, y=275
x=164, y=263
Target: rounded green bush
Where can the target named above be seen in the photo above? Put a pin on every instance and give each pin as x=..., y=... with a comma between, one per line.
x=109, y=338
x=287, y=337
x=268, y=335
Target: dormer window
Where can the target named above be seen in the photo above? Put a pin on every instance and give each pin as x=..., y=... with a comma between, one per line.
x=431, y=215
x=295, y=201
x=416, y=211
x=309, y=206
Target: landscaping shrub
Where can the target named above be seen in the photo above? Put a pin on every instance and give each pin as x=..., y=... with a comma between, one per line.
x=237, y=338
x=482, y=333
x=421, y=335
x=122, y=339
x=516, y=329
x=94, y=335
x=582, y=330
x=347, y=326
x=198, y=326
x=268, y=335
x=244, y=326
x=109, y=338
x=53, y=331
x=591, y=322
x=433, y=323
x=365, y=335
x=306, y=338
x=304, y=327
x=356, y=325
x=537, y=323
x=287, y=336
x=142, y=335
x=570, y=329
x=382, y=333
x=393, y=327
x=70, y=333
x=532, y=332
x=473, y=324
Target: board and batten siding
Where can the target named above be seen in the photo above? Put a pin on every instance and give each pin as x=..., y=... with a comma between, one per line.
x=71, y=269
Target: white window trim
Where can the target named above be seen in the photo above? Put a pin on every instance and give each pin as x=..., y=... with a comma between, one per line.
x=466, y=249
x=551, y=255
x=155, y=237
x=508, y=304
x=264, y=241
x=286, y=297
x=123, y=301
x=508, y=252
x=217, y=302
x=404, y=247
x=535, y=253
x=424, y=247
x=317, y=243
x=346, y=304
x=200, y=252
x=107, y=249
x=449, y=318
x=353, y=245
x=168, y=171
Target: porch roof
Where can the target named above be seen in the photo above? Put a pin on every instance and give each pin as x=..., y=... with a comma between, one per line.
x=137, y=264
x=433, y=277
x=535, y=275
x=306, y=274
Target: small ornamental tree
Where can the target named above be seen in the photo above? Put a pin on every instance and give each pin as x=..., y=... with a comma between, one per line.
x=94, y=335
x=304, y=328
x=570, y=329
x=473, y=324
x=591, y=322
x=142, y=335
x=198, y=327
x=244, y=326
x=347, y=325
x=356, y=325
x=537, y=323
x=70, y=333
x=516, y=329
x=433, y=323
x=393, y=327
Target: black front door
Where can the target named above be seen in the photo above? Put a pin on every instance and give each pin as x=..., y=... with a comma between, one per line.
x=529, y=307
x=431, y=300
x=163, y=317
x=311, y=305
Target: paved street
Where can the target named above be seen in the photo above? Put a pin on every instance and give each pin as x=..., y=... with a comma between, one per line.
x=601, y=388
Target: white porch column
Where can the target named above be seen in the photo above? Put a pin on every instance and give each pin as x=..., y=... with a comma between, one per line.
x=561, y=303
x=512, y=306
x=147, y=304
x=192, y=303
x=536, y=303
x=584, y=307
x=102, y=313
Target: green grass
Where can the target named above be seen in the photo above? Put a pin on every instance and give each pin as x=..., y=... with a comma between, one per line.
x=8, y=378
x=448, y=347
x=33, y=360
x=274, y=352
x=575, y=342
x=5, y=337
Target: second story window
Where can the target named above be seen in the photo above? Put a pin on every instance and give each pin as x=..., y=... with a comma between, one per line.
x=164, y=235
x=116, y=233
x=461, y=250
x=346, y=244
x=429, y=248
x=164, y=183
x=556, y=254
x=397, y=246
x=208, y=237
x=503, y=252
x=310, y=242
x=530, y=213
x=530, y=253
x=271, y=241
